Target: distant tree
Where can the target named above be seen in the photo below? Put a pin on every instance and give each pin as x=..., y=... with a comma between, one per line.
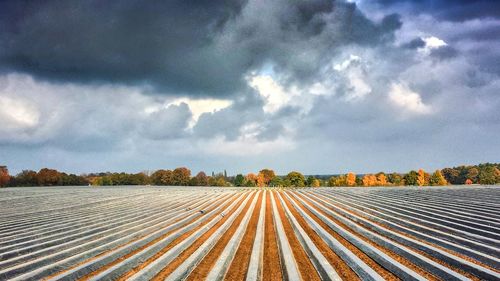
x=411, y=178
x=487, y=175
x=437, y=179
x=421, y=178
x=369, y=180
x=350, y=179
x=277, y=182
x=359, y=180
x=496, y=172
x=217, y=180
x=451, y=175
x=337, y=181
x=72, y=180
x=162, y=177
x=251, y=180
x=395, y=179
x=266, y=175
x=296, y=179
x=4, y=176
x=315, y=183
x=331, y=181
x=309, y=180
x=473, y=174
x=200, y=179
x=181, y=176
x=138, y=179
x=381, y=179
x=48, y=177
x=26, y=178
x=239, y=180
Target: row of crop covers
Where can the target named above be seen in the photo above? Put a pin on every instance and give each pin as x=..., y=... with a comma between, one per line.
x=216, y=234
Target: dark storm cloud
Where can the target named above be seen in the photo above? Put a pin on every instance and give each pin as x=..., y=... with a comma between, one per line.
x=415, y=43
x=451, y=10
x=180, y=47
x=445, y=52
x=167, y=43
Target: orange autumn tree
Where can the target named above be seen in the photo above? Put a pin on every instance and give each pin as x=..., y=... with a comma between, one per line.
x=468, y=182
x=4, y=176
x=264, y=177
x=350, y=179
x=252, y=179
x=421, y=178
x=369, y=180
x=381, y=179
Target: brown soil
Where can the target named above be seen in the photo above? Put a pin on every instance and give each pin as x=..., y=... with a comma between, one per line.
x=387, y=275
x=170, y=246
x=271, y=269
x=343, y=270
x=459, y=270
x=388, y=252
x=304, y=264
x=124, y=257
x=197, y=243
x=238, y=268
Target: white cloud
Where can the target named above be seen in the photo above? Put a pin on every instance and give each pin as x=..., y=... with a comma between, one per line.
x=354, y=73
x=404, y=98
x=200, y=106
x=273, y=93
x=431, y=42
x=348, y=62
x=17, y=113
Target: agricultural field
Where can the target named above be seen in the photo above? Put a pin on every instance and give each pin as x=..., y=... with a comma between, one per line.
x=196, y=233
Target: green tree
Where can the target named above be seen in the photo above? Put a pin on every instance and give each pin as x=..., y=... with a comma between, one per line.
x=411, y=178
x=395, y=179
x=487, y=175
x=277, y=182
x=337, y=181
x=296, y=179
x=26, y=178
x=437, y=179
x=473, y=174
x=239, y=180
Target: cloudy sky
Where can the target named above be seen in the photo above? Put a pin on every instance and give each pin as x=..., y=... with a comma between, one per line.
x=318, y=86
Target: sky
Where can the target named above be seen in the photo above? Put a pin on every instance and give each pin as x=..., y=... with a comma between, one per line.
x=318, y=86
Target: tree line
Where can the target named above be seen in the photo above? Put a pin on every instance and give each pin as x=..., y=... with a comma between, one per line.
x=487, y=173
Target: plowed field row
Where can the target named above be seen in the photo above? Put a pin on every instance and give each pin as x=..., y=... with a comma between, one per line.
x=195, y=233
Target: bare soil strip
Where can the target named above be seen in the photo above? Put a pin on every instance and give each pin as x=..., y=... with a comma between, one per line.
x=306, y=268
x=272, y=265
x=238, y=268
x=340, y=266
